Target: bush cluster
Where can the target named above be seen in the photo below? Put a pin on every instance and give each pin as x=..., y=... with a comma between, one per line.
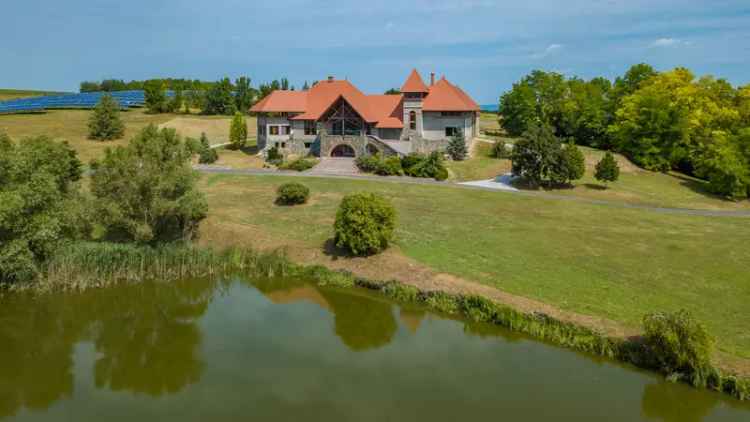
x=292, y=193
x=607, y=169
x=414, y=165
x=500, y=150
x=300, y=164
x=274, y=156
x=457, y=147
x=364, y=223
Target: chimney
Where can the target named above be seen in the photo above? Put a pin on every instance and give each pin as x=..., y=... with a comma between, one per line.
x=432, y=78
x=330, y=79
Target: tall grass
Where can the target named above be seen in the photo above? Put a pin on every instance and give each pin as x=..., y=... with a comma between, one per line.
x=89, y=264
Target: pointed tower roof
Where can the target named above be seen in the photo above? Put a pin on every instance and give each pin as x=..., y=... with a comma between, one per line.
x=414, y=83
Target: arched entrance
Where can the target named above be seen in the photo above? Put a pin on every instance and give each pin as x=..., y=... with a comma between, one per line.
x=343, y=150
x=372, y=149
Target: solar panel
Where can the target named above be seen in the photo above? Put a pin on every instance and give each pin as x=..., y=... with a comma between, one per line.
x=86, y=100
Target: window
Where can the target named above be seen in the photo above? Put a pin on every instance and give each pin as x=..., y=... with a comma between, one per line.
x=451, y=114
x=310, y=128
x=308, y=145
x=452, y=131
x=283, y=144
x=284, y=130
x=273, y=130
x=276, y=144
x=413, y=120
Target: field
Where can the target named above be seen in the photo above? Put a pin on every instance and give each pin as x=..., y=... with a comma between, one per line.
x=216, y=128
x=72, y=126
x=12, y=94
x=615, y=263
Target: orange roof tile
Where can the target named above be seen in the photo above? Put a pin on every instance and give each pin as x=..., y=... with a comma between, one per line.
x=282, y=101
x=444, y=96
x=385, y=110
x=414, y=83
x=388, y=110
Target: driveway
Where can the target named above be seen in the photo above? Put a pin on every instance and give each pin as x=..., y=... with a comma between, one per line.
x=335, y=166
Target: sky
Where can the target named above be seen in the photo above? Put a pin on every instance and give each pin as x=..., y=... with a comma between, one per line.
x=481, y=45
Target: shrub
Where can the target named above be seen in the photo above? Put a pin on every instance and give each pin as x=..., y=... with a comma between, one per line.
x=207, y=155
x=368, y=163
x=430, y=166
x=364, y=223
x=292, y=193
x=457, y=147
x=391, y=166
x=145, y=191
x=411, y=160
x=238, y=131
x=300, y=164
x=607, y=169
x=678, y=344
x=105, y=123
x=500, y=150
x=274, y=156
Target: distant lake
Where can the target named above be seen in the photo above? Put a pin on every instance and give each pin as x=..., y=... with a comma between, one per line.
x=489, y=107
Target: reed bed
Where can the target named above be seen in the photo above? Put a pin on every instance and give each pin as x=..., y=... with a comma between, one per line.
x=89, y=265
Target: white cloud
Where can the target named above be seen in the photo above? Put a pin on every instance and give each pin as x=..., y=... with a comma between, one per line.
x=551, y=49
x=668, y=42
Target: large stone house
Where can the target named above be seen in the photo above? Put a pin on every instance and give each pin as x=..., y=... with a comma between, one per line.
x=334, y=118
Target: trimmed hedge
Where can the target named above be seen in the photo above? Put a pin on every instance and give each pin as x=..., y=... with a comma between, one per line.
x=364, y=223
x=292, y=193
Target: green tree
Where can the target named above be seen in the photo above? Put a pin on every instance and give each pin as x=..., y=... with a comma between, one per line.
x=364, y=223
x=145, y=191
x=220, y=99
x=535, y=156
x=105, y=123
x=536, y=99
x=155, y=93
x=570, y=165
x=40, y=204
x=457, y=147
x=206, y=155
x=175, y=104
x=393, y=91
x=607, y=169
x=244, y=94
x=632, y=80
x=238, y=131
x=585, y=112
x=517, y=109
x=722, y=163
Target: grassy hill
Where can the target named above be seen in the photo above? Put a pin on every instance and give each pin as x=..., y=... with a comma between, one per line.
x=12, y=94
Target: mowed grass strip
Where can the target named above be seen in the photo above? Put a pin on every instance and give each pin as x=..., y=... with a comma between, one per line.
x=593, y=259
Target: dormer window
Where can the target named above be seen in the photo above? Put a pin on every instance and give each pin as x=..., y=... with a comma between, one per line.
x=413, y=120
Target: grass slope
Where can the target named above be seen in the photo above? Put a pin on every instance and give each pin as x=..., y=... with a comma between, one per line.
x=597, y=260
x=12, y=94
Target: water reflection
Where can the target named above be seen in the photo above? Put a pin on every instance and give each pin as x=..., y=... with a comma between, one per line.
x=145, y=336
x=148, y=341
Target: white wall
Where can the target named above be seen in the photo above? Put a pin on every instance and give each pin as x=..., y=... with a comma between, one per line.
x=435, y=124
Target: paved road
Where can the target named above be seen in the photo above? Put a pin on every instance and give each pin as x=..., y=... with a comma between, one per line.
x=419, y=181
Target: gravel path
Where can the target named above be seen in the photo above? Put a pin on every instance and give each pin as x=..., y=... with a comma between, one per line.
x=481, y=185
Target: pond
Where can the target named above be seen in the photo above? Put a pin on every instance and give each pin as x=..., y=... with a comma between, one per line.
x=201, y=350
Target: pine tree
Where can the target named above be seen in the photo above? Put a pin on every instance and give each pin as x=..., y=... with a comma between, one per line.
x=155, y=92
x=457, y=147
x=238, y=131
x=105, y=123
x=207, y=154
x=607, y=170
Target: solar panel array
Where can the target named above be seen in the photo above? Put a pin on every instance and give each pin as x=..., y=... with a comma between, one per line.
x=85, y=100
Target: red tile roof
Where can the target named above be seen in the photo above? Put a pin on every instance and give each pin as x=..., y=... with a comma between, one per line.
x=414, y=83
x=386, y=111
x=444, y=96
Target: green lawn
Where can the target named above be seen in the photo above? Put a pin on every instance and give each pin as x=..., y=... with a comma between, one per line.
x=481, y=166
x=599, y=260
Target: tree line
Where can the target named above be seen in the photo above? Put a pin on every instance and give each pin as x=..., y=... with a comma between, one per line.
x=222, y=97
x=660, y=120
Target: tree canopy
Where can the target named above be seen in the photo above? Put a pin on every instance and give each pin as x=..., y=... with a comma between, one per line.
x=145, y=191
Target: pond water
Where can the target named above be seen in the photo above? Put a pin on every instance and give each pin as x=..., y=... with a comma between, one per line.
x=201, y=350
